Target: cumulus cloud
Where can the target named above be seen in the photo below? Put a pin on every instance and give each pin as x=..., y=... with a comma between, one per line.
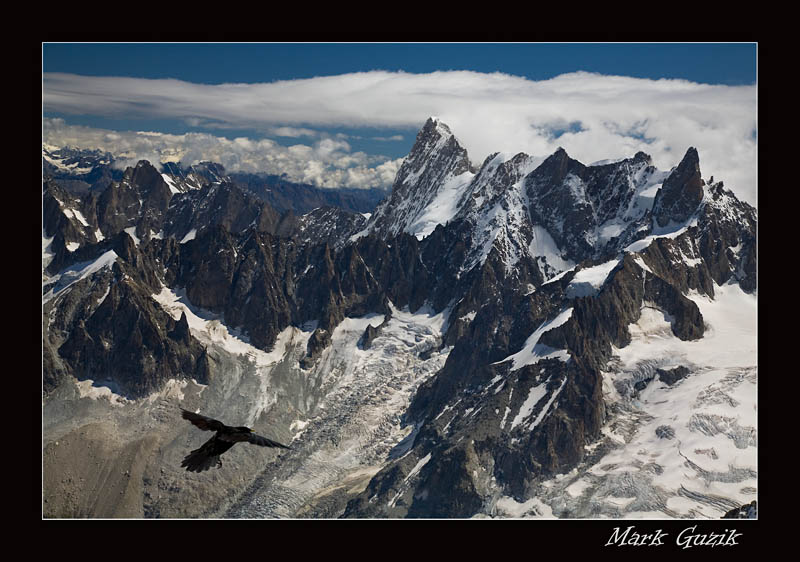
x=594, y=117
x=328, y=162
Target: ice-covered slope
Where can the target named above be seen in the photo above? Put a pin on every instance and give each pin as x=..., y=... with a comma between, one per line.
x=681, y=438
x=357, y=424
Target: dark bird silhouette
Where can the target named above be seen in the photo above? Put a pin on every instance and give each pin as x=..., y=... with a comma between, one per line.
x=226, y=437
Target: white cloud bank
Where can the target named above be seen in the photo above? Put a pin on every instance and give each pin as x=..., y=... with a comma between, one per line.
x=594, y=117
x=328, y=162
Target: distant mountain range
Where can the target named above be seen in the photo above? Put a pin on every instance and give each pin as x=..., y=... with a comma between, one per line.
x=511, y=340
x=81, y=171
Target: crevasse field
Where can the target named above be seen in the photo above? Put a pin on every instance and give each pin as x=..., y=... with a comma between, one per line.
x=683, y=451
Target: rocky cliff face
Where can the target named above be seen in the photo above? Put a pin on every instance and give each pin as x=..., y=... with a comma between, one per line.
x=681, y=193
x=102, y=324
x=496, y=301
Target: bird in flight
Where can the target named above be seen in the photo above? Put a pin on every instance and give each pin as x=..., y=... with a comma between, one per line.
x=226, y=437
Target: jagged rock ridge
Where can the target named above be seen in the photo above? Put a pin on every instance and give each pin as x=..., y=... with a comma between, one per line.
x=540, y=269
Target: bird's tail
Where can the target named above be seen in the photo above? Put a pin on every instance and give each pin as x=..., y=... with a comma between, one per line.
x=198, y=461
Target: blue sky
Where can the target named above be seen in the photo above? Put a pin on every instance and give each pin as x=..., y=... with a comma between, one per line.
x=215, y=63
x=355, y=104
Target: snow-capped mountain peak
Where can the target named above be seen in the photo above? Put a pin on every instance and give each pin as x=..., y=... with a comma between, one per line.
x=427, y=187
x=556, y=211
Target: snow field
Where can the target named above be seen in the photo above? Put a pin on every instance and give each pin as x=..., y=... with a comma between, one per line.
x=709, y=463
x=442, y=208
x=587, y=282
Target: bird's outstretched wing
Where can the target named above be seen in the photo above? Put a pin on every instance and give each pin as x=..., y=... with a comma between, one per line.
x=206, y=456
x=203, y=422
x=263, y=441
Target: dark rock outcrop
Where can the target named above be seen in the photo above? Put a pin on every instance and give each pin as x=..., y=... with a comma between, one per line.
x=681, y=192
x=747, y=511
x=558, y=201
x=140, y=199
x=129, y=340
x=672, y=376
x=727, y=238
x=665, y=432
x=370, y=333
x=574, y=201
x=319, y=340
x=218, y=204
x=449, y=489
x=330, y=225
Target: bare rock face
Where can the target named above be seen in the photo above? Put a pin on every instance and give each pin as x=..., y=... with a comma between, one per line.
x=140, y=199
x=727, y=238
x=319, y=340
x=449, y=489
x=681, y=193
x=215, y=204
x=574, y=201
x=687, y=321
x=323, y=225
x=558, y=201
x=673, y=376
x=370, y=333
x=131, y=340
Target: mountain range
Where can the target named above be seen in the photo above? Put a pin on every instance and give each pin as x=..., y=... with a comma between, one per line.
x=81, y=171
x=515, y=338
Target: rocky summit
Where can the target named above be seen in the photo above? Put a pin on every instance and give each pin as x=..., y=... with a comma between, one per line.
x=526, y=337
